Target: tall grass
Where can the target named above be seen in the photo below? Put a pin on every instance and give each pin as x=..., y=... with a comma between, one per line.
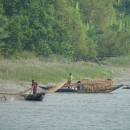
x=48, y=70
x=120, y=61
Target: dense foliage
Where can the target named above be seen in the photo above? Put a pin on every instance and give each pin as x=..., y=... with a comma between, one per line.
x=72, y=28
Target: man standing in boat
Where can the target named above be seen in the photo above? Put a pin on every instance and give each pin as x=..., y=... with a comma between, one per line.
x=70, y=78
x=34, y=86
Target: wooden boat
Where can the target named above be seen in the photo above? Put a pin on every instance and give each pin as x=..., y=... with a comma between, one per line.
x=27, y=95
x=31, y=97
x=80, y=89
x=24, y=95
x=38, y=97
x=89, y=86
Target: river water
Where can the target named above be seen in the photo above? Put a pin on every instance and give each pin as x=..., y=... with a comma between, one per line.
x=69, y=111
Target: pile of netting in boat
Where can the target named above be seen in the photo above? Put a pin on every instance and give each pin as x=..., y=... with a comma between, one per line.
x=96, y=84
x=93, y=85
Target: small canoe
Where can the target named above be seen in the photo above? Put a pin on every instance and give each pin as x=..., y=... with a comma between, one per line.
x=38, y=97
x=30, y=97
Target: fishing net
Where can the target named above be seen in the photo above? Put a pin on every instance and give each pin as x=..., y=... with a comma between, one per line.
x=54, y=88
x=18, y=96
x=12, y=97
x=26, y=92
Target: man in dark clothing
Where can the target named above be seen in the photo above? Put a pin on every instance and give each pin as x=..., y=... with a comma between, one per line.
x=34, y=86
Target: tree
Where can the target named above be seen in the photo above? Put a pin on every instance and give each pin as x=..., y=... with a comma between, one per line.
x=3, y=21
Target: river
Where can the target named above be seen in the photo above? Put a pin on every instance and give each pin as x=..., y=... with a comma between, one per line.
x=69, y=111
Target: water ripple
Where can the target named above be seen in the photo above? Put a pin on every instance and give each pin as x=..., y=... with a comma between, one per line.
x=68, y=112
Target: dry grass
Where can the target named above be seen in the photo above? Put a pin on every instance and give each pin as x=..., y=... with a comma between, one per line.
x=46, y=71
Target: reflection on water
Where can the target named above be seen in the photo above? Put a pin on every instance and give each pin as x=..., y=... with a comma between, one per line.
x=68, y=112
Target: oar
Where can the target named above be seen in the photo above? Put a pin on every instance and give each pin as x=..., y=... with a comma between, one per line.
x=54, y=88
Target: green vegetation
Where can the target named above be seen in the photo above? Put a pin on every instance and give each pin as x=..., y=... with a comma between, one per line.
x=44, y=71
x=62, y=31
x=75, y=29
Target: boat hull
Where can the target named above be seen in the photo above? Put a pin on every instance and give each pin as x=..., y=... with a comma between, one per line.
x=80, y=89
x=126, y=87
x=38, y=97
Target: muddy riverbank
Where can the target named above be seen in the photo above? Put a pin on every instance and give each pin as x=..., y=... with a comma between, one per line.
x=7, y=86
